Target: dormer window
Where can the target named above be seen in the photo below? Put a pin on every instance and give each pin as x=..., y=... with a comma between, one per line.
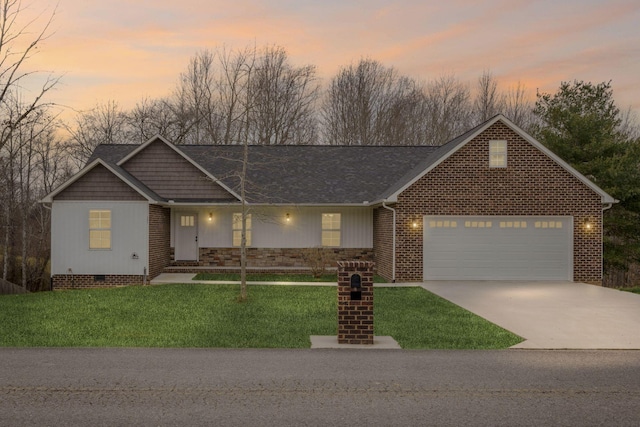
x=497, y=154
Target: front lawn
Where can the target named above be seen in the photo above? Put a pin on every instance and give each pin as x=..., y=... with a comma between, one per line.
x=195, y=315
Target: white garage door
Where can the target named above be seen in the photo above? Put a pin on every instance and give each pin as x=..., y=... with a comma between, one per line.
x=498, y=248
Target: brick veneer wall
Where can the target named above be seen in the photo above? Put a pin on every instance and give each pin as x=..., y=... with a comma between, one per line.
x=159, y=239
x=274, y=257
x=531, y=184
x=383, y=242
x=84, y=281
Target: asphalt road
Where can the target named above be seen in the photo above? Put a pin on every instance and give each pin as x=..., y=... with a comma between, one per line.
x=55, y=387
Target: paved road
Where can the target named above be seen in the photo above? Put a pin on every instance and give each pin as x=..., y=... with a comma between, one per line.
x=318, y=387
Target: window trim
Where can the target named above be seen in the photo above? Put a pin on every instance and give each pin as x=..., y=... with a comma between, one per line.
x=497, y=153
x=330, y=230
x=236, y=219
x=100, y=228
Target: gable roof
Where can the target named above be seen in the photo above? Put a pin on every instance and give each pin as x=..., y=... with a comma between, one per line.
x=120, y=173
x=287, y=174
x=312, y=174
x=446, y=150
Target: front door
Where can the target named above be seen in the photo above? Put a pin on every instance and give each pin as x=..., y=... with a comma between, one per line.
x=187, y=237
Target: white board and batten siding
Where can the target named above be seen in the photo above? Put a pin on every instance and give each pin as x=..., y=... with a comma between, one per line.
x=498, y=248
x=70, y=238
x=270, y=228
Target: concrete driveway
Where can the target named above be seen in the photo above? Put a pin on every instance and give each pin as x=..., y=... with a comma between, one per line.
x=552, y=315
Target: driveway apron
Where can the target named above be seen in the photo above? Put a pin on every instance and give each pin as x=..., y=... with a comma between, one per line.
x=551, y=315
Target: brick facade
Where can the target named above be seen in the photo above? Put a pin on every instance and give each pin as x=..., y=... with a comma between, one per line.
x=463, y=184
x=274, y=257
x=383, y=242
x=159, y=239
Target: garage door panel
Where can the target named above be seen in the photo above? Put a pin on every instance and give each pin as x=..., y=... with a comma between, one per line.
x=511, y=248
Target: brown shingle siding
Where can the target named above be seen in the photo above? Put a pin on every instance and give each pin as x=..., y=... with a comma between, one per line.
x=99, y=184
x=172, y=176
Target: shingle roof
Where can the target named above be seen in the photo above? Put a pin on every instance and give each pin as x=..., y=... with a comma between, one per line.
x=311, y=174
x=299, y=174
x=317, y=174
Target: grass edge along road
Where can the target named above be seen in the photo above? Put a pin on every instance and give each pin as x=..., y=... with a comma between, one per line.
x=197, y=315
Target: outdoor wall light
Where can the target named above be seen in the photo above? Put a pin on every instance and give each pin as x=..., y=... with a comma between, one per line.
x=210, y=216
x=414, y=224
x=588, y=225
x=288, y=217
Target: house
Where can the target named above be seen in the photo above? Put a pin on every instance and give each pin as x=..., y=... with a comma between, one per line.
x=492, y=204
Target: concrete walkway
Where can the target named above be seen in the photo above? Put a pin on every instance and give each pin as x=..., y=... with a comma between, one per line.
x=165, y=278
x=552, y=315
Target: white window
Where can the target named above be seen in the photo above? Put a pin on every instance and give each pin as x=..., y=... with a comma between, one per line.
x=187, y=220
x=237, y=229
x=513, y=224
x=497, y=154
x=443, y=224
x=548, y=224
x=330, y=229
x=478, y=224
x=99, y=229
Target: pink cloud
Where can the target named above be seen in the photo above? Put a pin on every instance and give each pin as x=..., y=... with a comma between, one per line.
x=125, y=50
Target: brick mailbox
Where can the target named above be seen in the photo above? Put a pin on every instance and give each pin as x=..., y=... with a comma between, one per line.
x=355, y=302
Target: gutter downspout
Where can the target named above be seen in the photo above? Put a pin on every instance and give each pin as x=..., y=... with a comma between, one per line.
x=604, y=208
x=393, y=247
x=50, y=208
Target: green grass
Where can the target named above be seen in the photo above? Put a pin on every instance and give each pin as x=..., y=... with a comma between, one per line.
x=274, y=277
x=635, y=290
x=195, y=315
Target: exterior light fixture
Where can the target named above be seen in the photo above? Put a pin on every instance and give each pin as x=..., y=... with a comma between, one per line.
x=588, y=225
x=210, y=216
x=414, y=224
x=288, y=217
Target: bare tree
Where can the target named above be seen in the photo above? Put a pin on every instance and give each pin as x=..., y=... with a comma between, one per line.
x=105, y=124
x=488, y=101
x=18, y=43
x=284, y=99
x=24, y=176
x=207, y=102
x=370, y=104
x=152, y=117
x=194, y=99
x=629, y=126
x=232, y=91
x=448, y=109
x=519, y=107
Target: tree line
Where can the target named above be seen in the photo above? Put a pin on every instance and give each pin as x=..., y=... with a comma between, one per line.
x=224, y=94
x=258, y=96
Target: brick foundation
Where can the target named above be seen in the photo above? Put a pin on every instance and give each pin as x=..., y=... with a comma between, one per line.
x=85, y=281
x=270, y=257
x=355, y=305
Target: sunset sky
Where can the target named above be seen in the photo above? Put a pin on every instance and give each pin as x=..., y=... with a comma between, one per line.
x=124, y=50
